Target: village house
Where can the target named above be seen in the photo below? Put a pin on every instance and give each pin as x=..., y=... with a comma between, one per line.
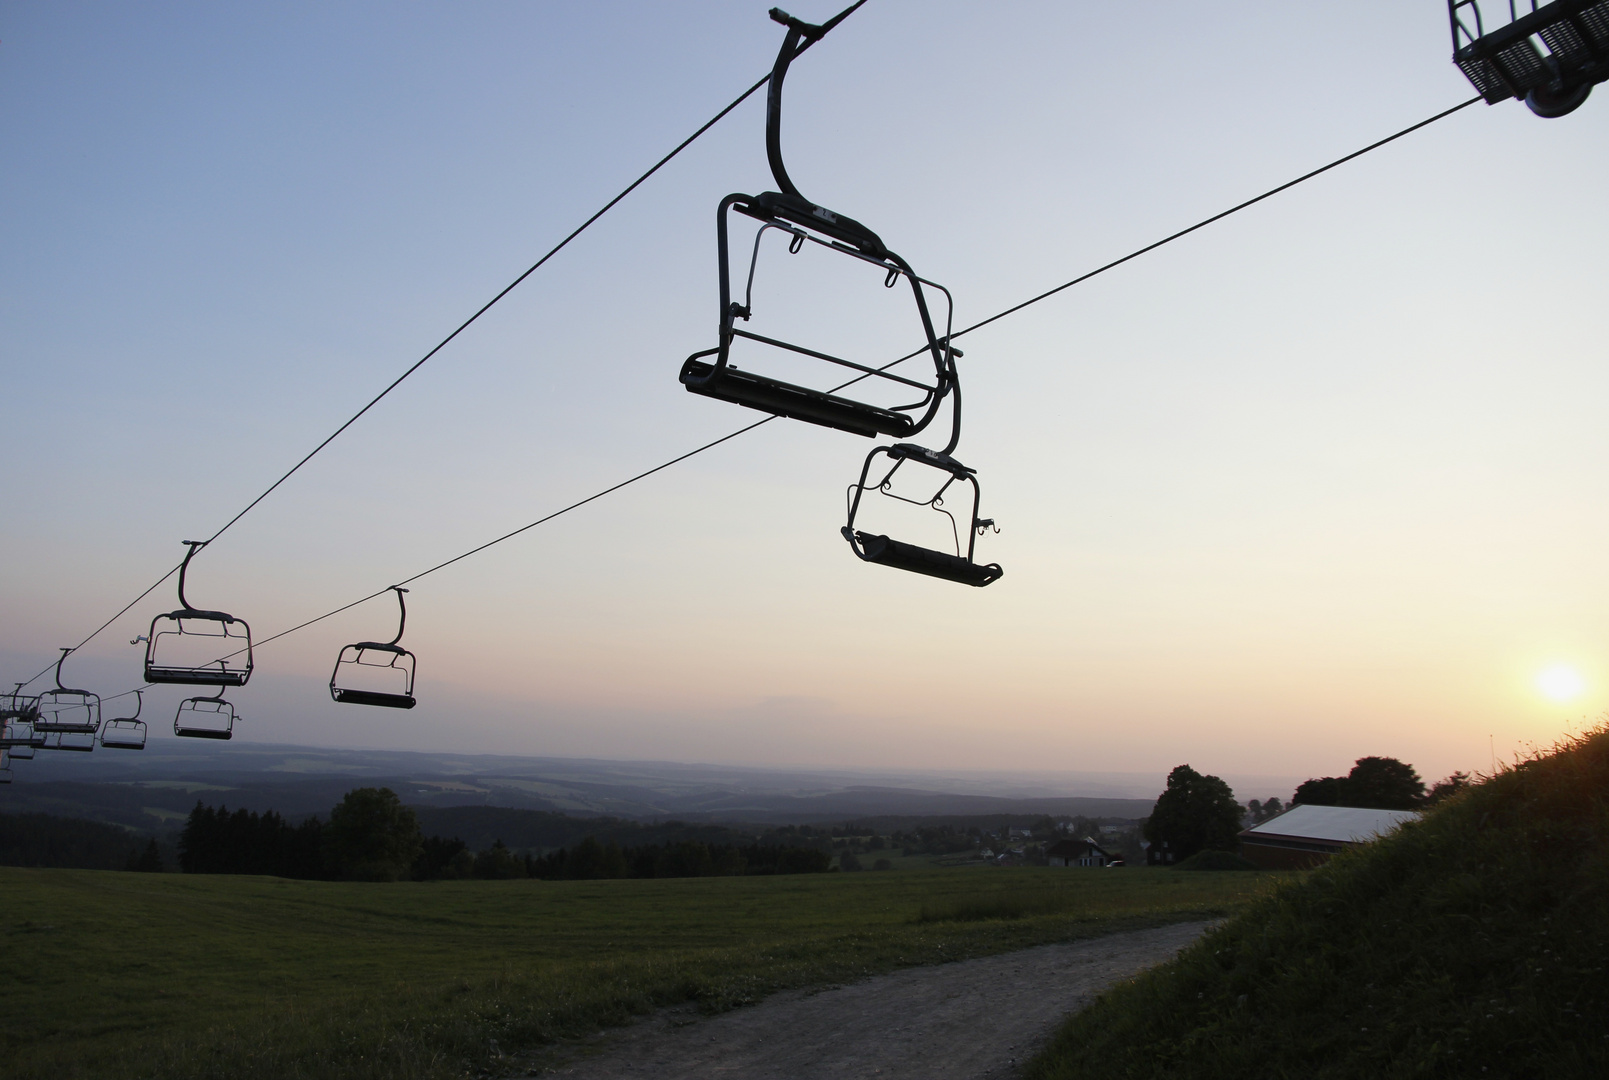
x=1085, y=852
x=1305, y=836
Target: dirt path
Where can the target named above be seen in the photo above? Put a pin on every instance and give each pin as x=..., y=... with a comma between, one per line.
x=961, y=1021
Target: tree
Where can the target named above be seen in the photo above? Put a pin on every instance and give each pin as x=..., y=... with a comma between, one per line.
x=148, y=861
x=371, y=836
x=1375, y=783
x=1455, y=783
x=1382, y=783
x=1194, y=813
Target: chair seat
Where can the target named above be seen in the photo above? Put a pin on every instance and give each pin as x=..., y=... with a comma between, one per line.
x=921, y=560
x=123, y=742
x=202, y=733
x=208, y=676
x=373, y=697
x=796, y=402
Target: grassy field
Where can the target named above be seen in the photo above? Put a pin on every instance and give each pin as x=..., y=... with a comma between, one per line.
x=121, y=974
x=1474, y=943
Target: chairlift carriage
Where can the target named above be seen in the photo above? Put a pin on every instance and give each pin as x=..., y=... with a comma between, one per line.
x=82, y=742
x=126, y=732
x=205, y=718
x=5, y=765
x=67, y=711
x=18, y=711
x=790, y=214
x=879, y=548
x=206, y=648
x=376, y=673
x=1550, y=56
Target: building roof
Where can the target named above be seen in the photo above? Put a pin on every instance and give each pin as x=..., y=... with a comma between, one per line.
x=1072, y=849
x=1332, y=824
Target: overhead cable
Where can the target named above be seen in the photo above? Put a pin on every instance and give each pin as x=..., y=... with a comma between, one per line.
x=510, y=287
x=975, y=326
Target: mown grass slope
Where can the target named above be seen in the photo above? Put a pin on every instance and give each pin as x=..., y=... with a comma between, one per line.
x=121, y=974
x=1474, y=943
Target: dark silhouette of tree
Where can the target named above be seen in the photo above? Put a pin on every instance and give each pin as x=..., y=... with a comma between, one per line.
x=1375, y=783
x=148, y=861
x=497, y=863
x=371, y=836
x=1192, y=814
x=1452, y=785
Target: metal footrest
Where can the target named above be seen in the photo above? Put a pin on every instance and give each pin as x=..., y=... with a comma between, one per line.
x=921, y=560
x=796, y=402
x=373, y=697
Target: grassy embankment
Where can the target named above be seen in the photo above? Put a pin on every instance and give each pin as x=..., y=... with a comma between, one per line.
x=189, y=976
x=1474, y=943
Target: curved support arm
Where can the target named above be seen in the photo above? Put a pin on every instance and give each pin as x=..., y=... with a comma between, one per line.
x=64, y=652
x=402, y=614
x=184, y=567
x=801, y=35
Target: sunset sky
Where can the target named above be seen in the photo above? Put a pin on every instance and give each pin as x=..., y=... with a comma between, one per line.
x=1325, y=479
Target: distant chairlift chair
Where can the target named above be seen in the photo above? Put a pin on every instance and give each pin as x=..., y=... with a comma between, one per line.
x=376, y=673
x=198, y=648
x=905, y=556
x=64, y=711
x=126, y=732
x=790, y=212
x=18, y=737
x=1550, y=56
x=205, y=718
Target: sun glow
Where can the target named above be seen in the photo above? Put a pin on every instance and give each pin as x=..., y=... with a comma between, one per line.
x=1560, y=682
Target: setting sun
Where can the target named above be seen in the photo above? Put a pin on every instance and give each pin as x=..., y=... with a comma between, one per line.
x=1560, y=682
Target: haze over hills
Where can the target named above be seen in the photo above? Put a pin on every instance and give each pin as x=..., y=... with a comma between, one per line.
x=164, y=781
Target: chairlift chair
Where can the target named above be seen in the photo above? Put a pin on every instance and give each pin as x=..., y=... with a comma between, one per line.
x=19, y=706
x=803, y=221
x=5, y=766
x=376, y=673
x=205, y=648
x=878, y=548
x=67, y=711
x=126, y=732
x=20, y=739
x=1550, y=56
x=82, y=742
x=205, y=718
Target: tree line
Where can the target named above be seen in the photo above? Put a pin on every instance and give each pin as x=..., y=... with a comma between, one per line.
x=1199, y=813
x=371, y=836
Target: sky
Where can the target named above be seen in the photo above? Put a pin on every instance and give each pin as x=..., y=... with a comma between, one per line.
x=1320, y=481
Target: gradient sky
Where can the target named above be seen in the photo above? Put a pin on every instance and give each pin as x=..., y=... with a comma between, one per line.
x=1323, y=480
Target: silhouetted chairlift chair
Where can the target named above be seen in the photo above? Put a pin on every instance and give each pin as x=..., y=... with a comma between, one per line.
x=790, y=212
x=376, y=673
x=5, y=766
x=80, y=741
x=67, y=711
x=1550, y=56
x=126, y=732
x=19, y=738
x=878, y=548
x=205, y=718
x=205, y=648
x=19, y=706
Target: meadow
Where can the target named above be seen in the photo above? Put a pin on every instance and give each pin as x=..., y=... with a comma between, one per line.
x=126, y=974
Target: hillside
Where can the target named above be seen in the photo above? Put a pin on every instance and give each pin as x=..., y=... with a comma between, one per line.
x=1475, y=942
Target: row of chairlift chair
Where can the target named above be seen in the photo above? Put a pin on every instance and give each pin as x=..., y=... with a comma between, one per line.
x=1550, y=56
x=191, y=647
x=712, y=372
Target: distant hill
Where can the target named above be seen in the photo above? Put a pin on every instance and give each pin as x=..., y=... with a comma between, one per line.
x=153, y=790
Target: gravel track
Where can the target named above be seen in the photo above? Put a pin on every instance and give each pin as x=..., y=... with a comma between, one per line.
x=961, y=1021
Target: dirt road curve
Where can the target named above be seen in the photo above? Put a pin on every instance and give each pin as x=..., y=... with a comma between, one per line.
x=961, y=1021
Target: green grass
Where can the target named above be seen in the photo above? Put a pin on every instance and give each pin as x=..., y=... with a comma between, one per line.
x=177, y=976
x=1474, y=943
